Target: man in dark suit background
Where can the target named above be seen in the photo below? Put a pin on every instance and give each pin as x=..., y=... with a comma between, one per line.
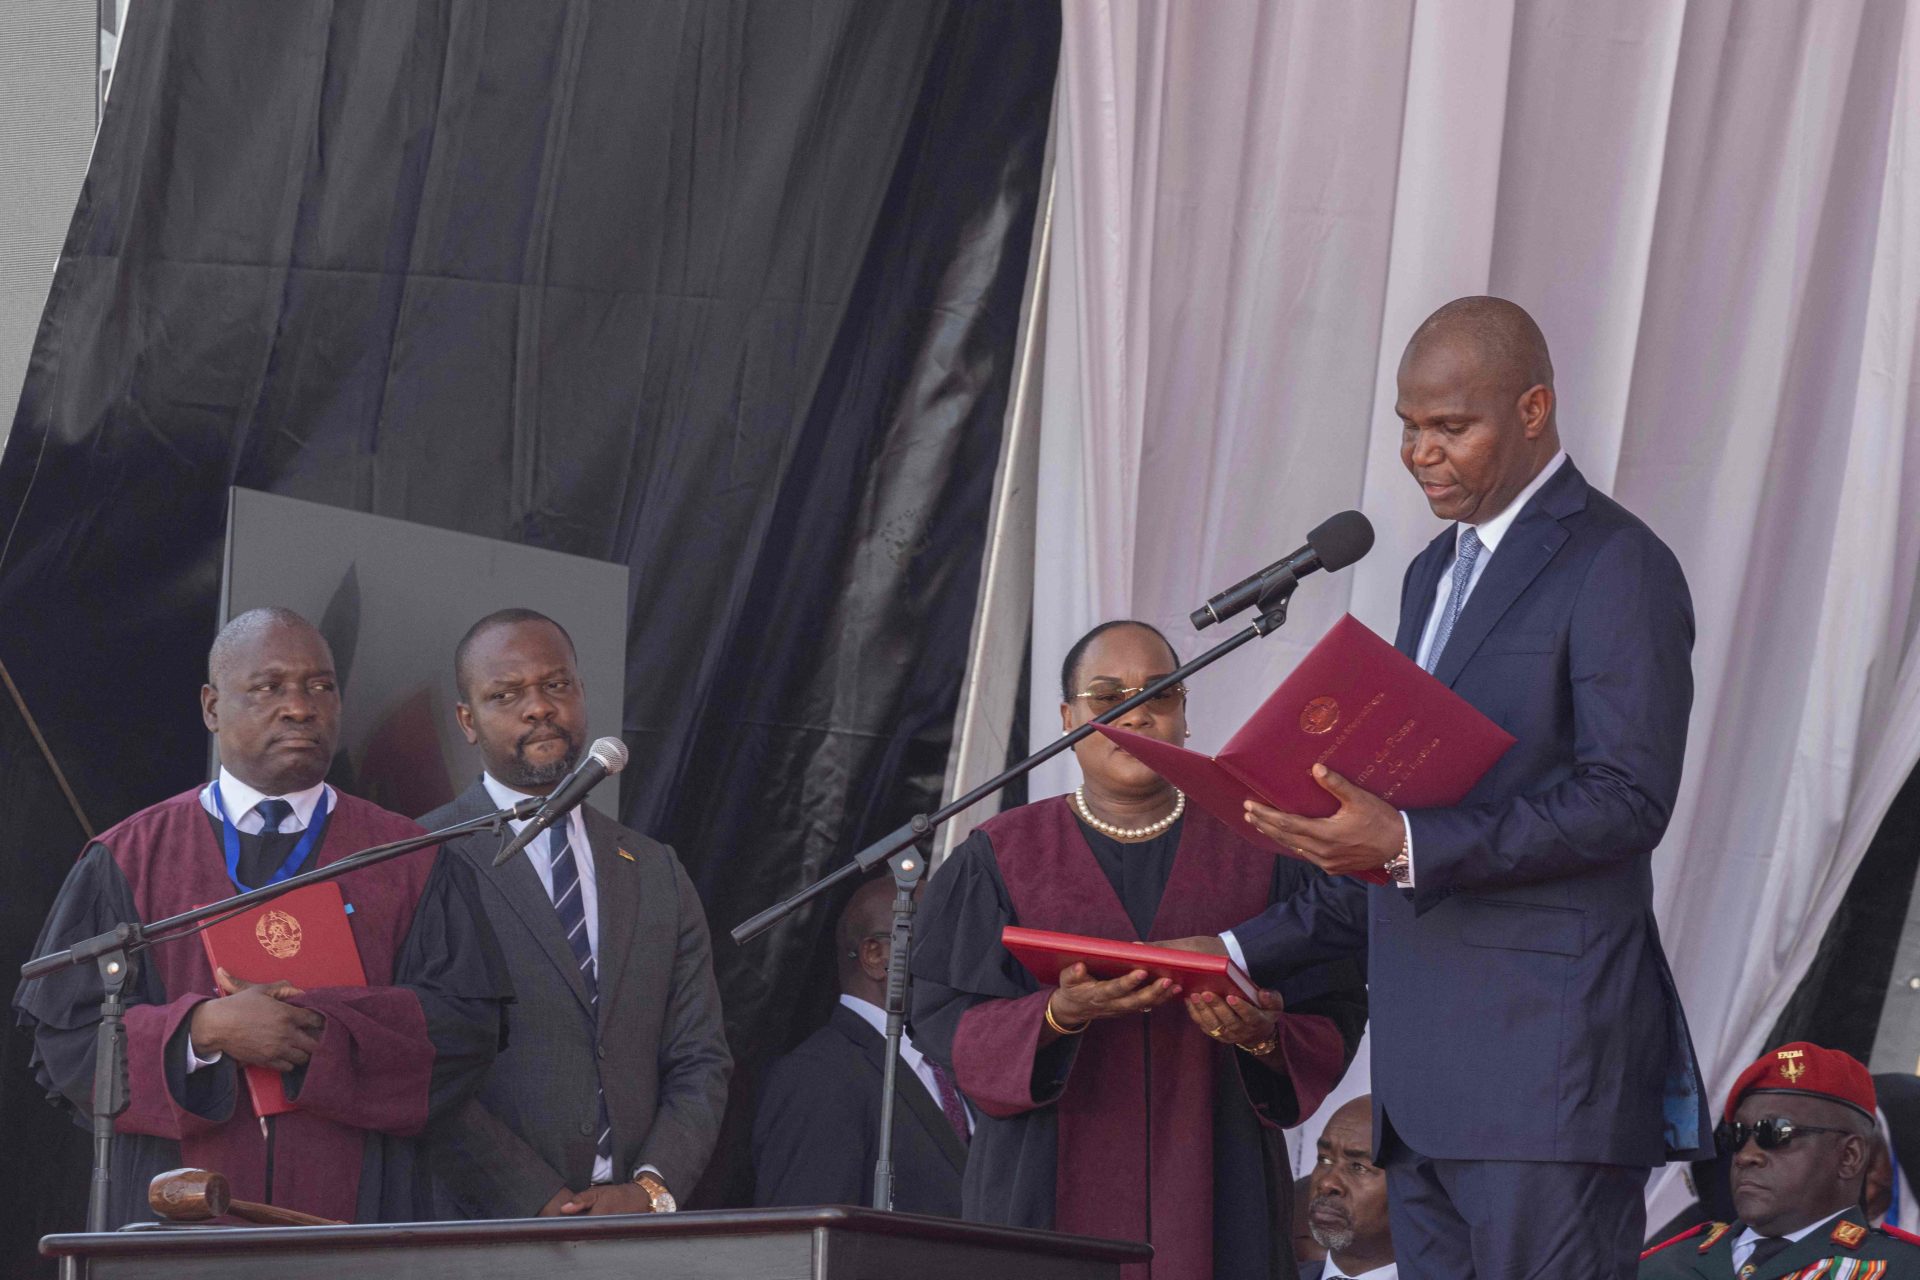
x=609, y=1094
x=816, y=1133
x=1529, y=1049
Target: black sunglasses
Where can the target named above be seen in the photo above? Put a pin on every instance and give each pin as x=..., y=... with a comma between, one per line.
x=1771, y=1133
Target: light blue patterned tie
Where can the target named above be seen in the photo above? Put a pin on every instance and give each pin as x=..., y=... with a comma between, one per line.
x=1457, y=598
x=571, y=908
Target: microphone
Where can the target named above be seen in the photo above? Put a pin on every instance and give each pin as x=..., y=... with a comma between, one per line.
x=605, y=757
x=1338, y=542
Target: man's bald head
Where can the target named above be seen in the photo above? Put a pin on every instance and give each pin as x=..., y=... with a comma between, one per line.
x=1503, y=337
x=1476, y=407
x=861, y=939
x=272, y=701
x=245, y=630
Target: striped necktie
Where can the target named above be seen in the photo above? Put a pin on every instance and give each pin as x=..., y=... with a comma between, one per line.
x=569, y=906
x=1463, y=559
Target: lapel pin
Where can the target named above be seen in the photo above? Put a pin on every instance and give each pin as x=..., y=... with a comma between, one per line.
x=623, y=853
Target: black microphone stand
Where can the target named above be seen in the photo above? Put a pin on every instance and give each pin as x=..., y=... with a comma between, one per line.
x=117, y=955
x=904, y=849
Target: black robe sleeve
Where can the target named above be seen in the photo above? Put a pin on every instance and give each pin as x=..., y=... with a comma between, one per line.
x=453, y=965
x=61, y=1011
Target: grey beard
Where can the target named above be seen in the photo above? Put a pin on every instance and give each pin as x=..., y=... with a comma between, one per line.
x=1332, y=1241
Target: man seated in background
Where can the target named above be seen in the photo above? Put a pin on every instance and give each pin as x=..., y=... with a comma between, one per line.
x=1347, y=1211
x=365, y=1067
x=817, y=1132
x=1800, y=1126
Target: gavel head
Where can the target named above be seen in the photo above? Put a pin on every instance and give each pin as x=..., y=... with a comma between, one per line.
x=189, y=1195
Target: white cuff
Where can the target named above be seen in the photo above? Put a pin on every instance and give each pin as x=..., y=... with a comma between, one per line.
x=197, y=1063
x=1407, y=824
x=1234, y=953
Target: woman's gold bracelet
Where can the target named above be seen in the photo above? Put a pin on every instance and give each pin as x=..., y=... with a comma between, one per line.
x=1055, y=1024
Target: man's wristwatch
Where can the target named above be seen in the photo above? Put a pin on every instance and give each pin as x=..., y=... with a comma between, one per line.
x=1399, y=868
x=663, y=1201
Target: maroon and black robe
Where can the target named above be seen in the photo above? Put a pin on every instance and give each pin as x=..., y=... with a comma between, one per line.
x=1062, y=1140
x=412, y=1043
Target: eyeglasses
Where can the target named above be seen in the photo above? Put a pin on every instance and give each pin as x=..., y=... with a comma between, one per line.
x=1106, y=698
x=1771, y=1133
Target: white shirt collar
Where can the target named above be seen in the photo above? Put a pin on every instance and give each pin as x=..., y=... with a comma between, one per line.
x=238, y=797
x=876, y=1017
x=505, y=797
x=1389, y=1272
x=1750, y=1237
x=1491, y=531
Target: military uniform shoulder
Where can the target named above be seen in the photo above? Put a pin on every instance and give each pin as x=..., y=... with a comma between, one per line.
x=1695, y=1230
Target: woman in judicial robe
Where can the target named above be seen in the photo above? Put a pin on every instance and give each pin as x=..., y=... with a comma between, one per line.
x=1126, y=1108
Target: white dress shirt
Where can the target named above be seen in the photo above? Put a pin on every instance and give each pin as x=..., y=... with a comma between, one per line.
x=242, y=803
x=1333, y=1272
x=1491, y=532
x=876, y=1017
x=1749, y=1239
x=539, y=853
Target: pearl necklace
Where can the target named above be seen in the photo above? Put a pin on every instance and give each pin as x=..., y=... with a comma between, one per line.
x=1129, y=833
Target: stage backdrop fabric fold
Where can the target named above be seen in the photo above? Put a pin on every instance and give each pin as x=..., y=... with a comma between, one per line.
x=724, y=291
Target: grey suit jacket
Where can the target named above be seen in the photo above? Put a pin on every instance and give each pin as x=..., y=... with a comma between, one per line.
x=657, y=1048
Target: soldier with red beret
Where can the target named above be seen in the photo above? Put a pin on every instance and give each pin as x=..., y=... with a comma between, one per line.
x=1799, y=1124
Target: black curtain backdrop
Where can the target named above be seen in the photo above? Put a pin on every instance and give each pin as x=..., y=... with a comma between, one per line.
x=726, y=292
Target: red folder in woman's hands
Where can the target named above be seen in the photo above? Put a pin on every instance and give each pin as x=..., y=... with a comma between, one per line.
x=1045, y=954
x=1355, y=704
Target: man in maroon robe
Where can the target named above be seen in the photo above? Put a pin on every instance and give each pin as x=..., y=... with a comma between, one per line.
x=365, y=1066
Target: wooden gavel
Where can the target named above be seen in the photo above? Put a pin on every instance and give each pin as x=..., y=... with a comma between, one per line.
x=195, y=1195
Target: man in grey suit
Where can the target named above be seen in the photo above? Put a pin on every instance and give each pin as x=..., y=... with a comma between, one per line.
x=609, y=1094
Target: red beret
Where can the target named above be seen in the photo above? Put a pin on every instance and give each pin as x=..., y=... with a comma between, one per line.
x=1810, y=1070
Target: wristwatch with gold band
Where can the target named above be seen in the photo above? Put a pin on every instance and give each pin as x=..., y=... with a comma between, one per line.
x=663, y=1201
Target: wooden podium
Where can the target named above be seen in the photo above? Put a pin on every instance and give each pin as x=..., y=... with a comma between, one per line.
x=829, y=1243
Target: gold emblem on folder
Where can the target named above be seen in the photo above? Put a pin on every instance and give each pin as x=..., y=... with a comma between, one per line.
x=279, y=934
x=1319, y=716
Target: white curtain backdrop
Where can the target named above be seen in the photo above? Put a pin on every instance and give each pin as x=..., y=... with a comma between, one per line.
x=1712, y=208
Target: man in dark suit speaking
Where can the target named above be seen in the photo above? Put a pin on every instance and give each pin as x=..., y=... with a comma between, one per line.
x=1530, y=1058
x=608, y=1096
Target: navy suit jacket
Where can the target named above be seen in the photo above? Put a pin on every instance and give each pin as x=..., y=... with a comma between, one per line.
x=1522, y=1008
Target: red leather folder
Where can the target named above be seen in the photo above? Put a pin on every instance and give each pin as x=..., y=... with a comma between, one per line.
x=1045, y=954
x=1355, y=704
x=301, y=937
